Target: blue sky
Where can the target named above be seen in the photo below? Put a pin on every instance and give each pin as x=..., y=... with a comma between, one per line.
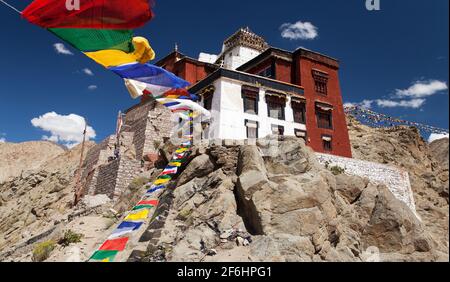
x=381, y=53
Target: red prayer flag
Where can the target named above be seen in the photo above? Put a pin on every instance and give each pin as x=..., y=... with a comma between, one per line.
x=114, y=245
x=100, y=14
x=151, y=203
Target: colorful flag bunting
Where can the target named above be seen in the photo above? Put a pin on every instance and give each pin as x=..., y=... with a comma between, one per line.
x=114, y=245
x=169, y=171
x=143, y=53
x=161, y=181
x=104, y=256
x=111, y=14
x=150, y=74
x=149, y=202
x=89, y=40
x=141, y=215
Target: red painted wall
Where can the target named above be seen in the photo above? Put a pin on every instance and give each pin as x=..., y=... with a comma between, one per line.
x=340, y=141
x=283, y=70
x=299, y=72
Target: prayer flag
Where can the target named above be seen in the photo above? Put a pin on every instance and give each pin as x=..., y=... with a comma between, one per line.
x=137, y=216
x=114, y=245
x=111, y=14
x=142, y=53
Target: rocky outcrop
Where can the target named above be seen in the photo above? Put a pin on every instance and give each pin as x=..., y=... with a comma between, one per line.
x=405, y=148
x=274, y=202
x=27, y=156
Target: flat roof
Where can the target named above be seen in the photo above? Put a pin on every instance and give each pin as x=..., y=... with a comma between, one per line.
x=256, y=80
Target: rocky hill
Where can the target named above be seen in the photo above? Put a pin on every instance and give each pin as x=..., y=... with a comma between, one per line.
x=270, y=202
x=16, y=158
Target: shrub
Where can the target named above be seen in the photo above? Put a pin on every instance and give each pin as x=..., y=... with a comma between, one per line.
x=42, y=250
x=336, y=170
x=69, y=238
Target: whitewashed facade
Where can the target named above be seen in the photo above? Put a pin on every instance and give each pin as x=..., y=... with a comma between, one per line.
x=228, y=117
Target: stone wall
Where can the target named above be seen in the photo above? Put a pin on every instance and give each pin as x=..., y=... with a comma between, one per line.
x=107, y=178
x=395, y=179
x=145, y=125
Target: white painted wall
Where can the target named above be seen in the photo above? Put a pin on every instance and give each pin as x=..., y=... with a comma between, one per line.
x=238, y=56
x=228, y=117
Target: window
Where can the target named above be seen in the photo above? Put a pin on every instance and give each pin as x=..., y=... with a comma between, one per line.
x=299, y=109
x=327, y=142
x=278, y=130
x=267, y=72
x=252, y=129
x=250, y=96
x=321, y=87
x=320, y=82
x=207, y=101
x=301, y=134
x=275, y=106
x=324, y=119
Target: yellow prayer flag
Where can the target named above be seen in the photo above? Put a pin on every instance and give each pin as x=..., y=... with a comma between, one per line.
x=161, y=181
x=143, y=53
x=143, y=214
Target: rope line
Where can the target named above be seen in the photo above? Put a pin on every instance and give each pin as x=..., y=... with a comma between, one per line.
x=378, y=120
x=10, y=6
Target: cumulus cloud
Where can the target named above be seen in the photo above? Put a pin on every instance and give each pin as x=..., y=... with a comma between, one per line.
x=422, y=89
x=88, y=72
x=92, y=87
x=299, y=30
x=61, y=49
x=435, y=136
x=63, y=129
x=367, y=104
x=414, y=104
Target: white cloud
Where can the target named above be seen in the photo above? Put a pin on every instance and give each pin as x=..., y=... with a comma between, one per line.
x=92, y=87
x=364, y=104
x=88, y=72
x=414, y=104
x=61, y=49
x=299, y=30
x=64, y=129
x=2, y=140
x=435, y=136
x=422, y=89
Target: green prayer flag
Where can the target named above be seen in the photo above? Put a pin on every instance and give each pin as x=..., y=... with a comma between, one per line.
x=104, y=255
x=87, y=39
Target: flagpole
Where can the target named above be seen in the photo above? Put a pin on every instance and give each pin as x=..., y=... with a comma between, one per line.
x=78, y=186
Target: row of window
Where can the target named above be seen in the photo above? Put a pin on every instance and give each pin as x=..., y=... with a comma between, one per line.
x=276, y=109
x=253, y=126
x=320, y=79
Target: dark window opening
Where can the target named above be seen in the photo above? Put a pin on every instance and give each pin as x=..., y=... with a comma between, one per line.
x=252, y=129
x=267, y=72
x=276, y=106
x=320, y=82
x=207, y=101
x=299, y=110
x=301, y=134
x=278, y=130
x=327, y=143
x=251, y=99
x=324, y=119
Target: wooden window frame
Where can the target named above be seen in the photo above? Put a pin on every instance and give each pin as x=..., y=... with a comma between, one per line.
x=247, y=128
x=319, y=124
x=325, y=147
x=296, y=107
x=250, y=93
